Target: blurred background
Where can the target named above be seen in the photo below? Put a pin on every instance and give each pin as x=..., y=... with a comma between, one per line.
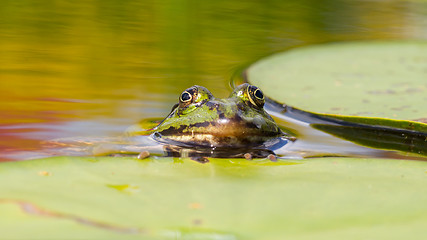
x=92, y=68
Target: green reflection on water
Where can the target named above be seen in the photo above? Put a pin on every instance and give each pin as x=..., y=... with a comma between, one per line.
x=110, y=63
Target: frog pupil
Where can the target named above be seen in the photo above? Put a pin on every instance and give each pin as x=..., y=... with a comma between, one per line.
x=185, y=96
x=259, y=94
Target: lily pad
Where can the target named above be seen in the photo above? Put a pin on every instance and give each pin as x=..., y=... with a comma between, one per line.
x=371, y=83
x=373, y=79
x=165, y=198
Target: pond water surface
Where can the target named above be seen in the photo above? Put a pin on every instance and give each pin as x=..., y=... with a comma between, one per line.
x=92, y=68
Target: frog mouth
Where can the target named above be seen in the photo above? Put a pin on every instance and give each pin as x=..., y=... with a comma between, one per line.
x=209, y=134
x=205, y=140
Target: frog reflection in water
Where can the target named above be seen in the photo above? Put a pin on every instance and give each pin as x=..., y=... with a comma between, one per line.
x=234, y=127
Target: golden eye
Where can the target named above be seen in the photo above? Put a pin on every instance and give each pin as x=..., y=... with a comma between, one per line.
x=185, y=97
x=258, y=94
x=188, y=97
x=256, y=97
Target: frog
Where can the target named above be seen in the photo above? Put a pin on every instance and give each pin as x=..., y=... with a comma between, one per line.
x=231, y=127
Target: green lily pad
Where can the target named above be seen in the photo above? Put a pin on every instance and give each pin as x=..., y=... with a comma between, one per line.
x=373, y=79
x=371, y=83
x=164, y=198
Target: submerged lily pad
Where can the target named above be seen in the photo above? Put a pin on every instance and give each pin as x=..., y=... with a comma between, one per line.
x=374, y=79
x=164, y=198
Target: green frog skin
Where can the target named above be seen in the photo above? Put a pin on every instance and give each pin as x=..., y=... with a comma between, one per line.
x=201, y=120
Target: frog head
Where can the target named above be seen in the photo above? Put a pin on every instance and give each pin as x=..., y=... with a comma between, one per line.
x=200, y=119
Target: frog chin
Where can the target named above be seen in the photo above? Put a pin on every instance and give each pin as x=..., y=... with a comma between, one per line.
x=209, y=140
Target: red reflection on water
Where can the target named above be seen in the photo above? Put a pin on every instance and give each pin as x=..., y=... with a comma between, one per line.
x=13, y=140
x=24, y=124
x=21, y=141
x=27, y=131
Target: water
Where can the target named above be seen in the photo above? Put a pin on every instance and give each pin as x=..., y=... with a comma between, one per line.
x=92, y=68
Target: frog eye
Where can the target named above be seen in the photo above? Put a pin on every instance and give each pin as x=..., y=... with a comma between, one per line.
x=258, y=94
x=193, y=98
x=185, y=97
x=256, y=97
x=188, y=97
